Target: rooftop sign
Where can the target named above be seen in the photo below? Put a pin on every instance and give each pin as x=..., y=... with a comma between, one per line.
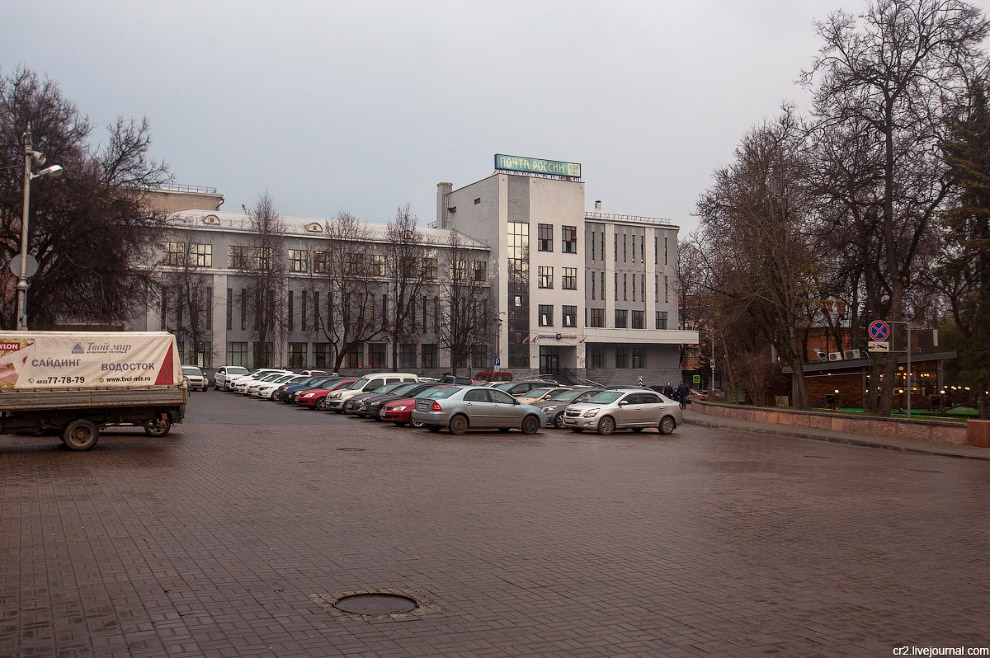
x=535, y=166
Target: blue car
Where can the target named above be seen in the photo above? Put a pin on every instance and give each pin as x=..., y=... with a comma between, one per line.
x=285, y=391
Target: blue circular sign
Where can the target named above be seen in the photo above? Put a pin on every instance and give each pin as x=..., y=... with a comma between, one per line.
x=879, y=330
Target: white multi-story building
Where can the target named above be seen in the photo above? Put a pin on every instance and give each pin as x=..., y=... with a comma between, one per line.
x=581, y=294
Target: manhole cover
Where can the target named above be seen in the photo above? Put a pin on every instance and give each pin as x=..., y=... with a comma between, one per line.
x=351, y=449
x=376, y=604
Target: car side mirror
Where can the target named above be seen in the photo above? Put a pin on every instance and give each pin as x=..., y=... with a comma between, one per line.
x=623, y=403
x=516, y=402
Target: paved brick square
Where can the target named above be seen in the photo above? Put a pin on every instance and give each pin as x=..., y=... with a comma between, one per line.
x=221, y=539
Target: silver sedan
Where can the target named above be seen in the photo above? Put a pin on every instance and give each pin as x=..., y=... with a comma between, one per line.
x=459, y=408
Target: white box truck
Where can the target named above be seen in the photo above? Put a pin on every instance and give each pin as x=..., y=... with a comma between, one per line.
x=76, y=383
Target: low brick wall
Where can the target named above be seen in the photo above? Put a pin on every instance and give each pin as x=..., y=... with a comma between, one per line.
x=924, y=430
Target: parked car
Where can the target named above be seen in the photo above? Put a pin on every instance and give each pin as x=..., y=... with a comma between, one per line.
x=292, y=396
x=317, y=398
x=224, y=374
x=491, y=376
x=252, y=388
x=697, y=395
x=335, y=402
x=352, y=404
x=195, y=379
x=240, y=384
x=534, y=395
x=399, y=411
x=520, y=387
x=459, y=408
x=285, y=391
x=453, y=379
x=268, y=390
x=634, y=409
x=554, y=405
x=371, y=406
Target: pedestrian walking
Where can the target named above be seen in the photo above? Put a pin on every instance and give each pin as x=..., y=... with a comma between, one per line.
x=668, y=391
x=683, y=393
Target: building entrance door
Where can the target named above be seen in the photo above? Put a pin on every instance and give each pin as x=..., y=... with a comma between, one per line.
x=549, y=360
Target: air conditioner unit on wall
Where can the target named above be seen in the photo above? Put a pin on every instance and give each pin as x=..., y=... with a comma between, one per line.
x=835, y=356
x=821, y=355
x=850, y=354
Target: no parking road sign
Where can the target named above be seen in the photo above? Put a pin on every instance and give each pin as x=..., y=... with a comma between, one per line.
x=879, y=334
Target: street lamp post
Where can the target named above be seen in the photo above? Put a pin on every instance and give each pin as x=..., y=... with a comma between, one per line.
x=30, y=156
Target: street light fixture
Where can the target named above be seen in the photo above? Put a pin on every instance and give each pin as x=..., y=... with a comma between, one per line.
x=30, y=156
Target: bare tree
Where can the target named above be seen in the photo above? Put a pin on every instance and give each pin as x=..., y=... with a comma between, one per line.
x=467, y=316
x=754, y=220
x=266, y=275
x=187, y=299
x=894, y=75
x=404, y=250
x=347, y=274
x=96, y=207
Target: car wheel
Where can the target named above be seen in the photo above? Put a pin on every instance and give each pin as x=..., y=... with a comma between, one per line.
x=458, y=425
x=558, y=420
x=434, y=428
x=667, y=425
x=321, y=404
x=530, y=425
x=415, y=423
x=80, y=434
x=606, y=426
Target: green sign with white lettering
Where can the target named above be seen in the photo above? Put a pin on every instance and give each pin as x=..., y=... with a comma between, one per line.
x=536, y=166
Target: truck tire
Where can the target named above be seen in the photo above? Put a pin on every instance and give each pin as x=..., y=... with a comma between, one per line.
x=80, y=434
x=157, y=427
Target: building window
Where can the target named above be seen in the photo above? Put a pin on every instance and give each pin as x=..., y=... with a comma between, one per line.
x=302, y=315
x=263, y=258
x=429, y=355
x=175, y=253
x=355, y=357
x=666, y=289
x=656, y=251
x=592, y=245
x=621, y=357
x=569, y=239
x=201, y=255
x=625, y=250
x=244, y=301
x=376, y=265
x=237, y=257
x=297, y=260
x=320, y=262
x=665, y=257
x=237, y=354
x=638, y=358
x=291, y=310
x=596, y=356
x=321, y=352
x=546, y=276
x=592, y=284
x=621, y=319
x=597, y=318
x=407, y=355
x=429, y=266
x=201, y=354
x=262, y=353
x=546, y=315
x=633, y=238
x=634, y=286
x=616, y=286
x=639, y=319
x=376, y=355
x=642, y=287
x=297, y=355
x=568, y=316
x=569, y=279
x=479, y=357
x=625, y=287
x=481, y=270
x=545, y=237
x=661, y=319
x=642, y=249
x=230, y=309
x=458, y=269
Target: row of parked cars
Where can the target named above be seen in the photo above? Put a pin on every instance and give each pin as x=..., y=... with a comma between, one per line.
x=407, y=399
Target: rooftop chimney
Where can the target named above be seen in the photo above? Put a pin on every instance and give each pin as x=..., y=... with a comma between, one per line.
x=598, y=205
x=443, y=191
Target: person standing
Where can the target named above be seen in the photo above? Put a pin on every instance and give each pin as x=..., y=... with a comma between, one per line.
x=668, y=391
x=682, y=393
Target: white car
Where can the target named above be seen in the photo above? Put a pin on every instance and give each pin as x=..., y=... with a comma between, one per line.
x=252, y=388
x=224, y=374
x=195, y=379
x=266, y=389
x=240, y=384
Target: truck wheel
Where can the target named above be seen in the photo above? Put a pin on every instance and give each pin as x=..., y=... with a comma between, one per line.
x=157, y=427
x=80, y=434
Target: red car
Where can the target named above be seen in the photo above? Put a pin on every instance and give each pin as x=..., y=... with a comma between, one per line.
x=316, y=398
x=398, y=411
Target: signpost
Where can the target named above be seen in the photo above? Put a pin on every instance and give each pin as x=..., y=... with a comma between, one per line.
x=879, y=336
x=498, y=364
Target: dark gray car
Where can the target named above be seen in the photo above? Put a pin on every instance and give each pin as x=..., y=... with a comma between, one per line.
x=558, y=401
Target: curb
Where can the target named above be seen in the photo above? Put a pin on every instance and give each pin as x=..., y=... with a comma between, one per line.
x=847, y=440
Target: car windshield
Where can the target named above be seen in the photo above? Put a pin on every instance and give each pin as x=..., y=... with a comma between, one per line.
x=565, y=394
x=361, y=383
x=504, y=387
x=403, y=388
x=387, y=388
x=537, y=392
x=440, y=393
x=191, y=370
x=606, y=396
x=351, y=385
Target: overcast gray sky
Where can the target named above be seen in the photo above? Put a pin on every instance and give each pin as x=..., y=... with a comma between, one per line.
x=365, y=106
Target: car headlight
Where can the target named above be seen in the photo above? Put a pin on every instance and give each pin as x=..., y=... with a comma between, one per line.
x=591, y=412
x=548, y=409
x=402, y=408
x=309, y=395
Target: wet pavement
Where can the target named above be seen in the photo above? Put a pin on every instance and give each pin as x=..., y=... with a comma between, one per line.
x=235, y=535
